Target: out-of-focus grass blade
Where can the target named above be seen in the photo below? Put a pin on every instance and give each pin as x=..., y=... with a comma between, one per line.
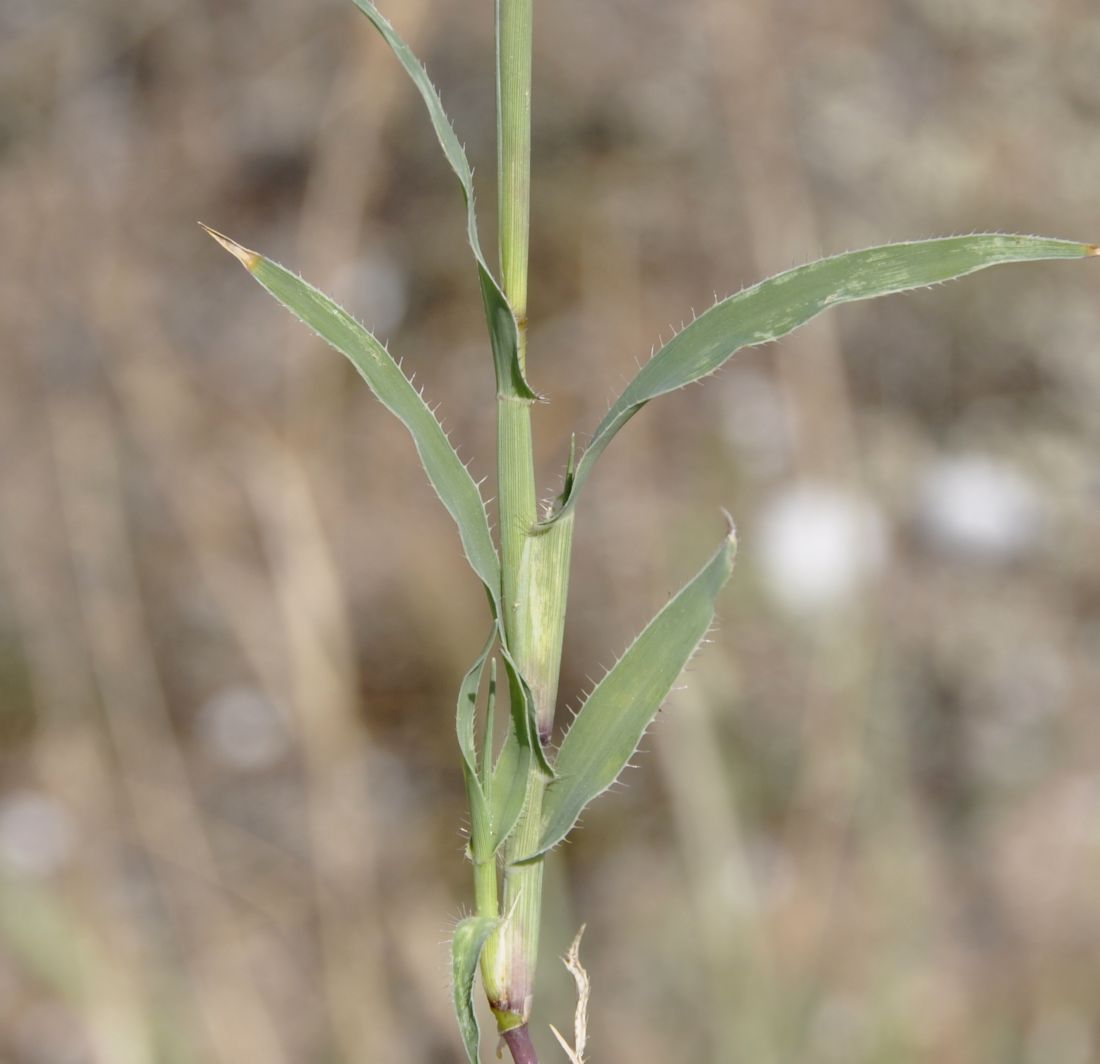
x=466, y=946
x=503, y=330
x=782, y=303
x=449, y=477
x=610, y=724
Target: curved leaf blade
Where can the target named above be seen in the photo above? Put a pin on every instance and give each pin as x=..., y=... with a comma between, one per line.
x=509, y=793
x=469, y=940
x=503, y=328
x=478, y=794
x=450, y=478
x=779, y=305
x=610, y=724
x=496, y=795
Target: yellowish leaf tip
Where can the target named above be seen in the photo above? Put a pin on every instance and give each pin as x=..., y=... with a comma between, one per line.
x=1094, y=249
x=731, y=528
x=248, y=259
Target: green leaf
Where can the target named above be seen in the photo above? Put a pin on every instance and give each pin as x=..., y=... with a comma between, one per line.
x=466, y=946
x=449, y=477
x=610, y=724
x=781, y=304
x=485, y=768
x=503, y=329
x=509, y=792
x=524, y=722
x=495, y=796
x=481, y=831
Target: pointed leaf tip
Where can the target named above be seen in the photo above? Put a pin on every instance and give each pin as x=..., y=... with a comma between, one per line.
x=779, y=305
x=248, y=259
x=607, y=729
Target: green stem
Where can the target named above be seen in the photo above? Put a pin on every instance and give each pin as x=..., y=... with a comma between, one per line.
x=516, y=483
x=508, y=962
x=514, y=29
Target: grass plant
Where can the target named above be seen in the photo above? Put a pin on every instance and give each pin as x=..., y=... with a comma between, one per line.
x=525, y=797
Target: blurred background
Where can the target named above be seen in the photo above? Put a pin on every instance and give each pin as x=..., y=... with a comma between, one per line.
x=233, y=617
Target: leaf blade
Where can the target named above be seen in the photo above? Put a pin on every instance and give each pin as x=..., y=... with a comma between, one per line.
x=481, y=829
x=610, y=724
x=503, y=328
x=469, y=940
x=779, y=305
x=451, y=479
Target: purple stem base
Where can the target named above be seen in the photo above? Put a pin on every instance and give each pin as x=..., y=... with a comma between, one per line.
x=519, y=1042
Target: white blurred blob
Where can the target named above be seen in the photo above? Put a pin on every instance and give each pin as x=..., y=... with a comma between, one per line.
x=1060, y=1035
x=979, y=508
x=818, y=545
x=376, y=288
x=240, y=729
x=36, y=833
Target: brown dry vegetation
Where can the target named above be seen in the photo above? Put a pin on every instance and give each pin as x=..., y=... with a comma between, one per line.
x=233, y=617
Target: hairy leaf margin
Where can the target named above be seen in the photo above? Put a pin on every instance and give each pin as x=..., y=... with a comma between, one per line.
x=612, y=720
x=779, y=305
x=503, y=327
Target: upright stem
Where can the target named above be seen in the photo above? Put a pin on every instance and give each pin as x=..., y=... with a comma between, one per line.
x=508, y=962
x=515, y=450
x=519, y=1042
x=514, y=29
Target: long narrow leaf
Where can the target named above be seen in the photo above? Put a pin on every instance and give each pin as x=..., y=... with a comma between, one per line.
x=466, y=946
x=449, y=477
x=503, y=329
x=610, y=724
x=781, y=304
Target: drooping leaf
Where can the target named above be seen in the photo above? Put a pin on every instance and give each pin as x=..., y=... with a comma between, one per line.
x=610, y=724
x=503, y=329
x=449, y=477
x=466, y=946
x=782, y=303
